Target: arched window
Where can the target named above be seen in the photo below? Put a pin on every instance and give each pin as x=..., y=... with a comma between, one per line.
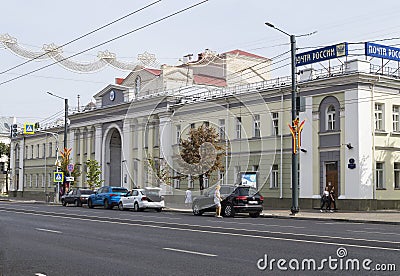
x=330, y=118
x=138, y=83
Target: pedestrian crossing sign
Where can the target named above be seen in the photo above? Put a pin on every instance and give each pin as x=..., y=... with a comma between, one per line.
x=29, y=128
x=58, y=176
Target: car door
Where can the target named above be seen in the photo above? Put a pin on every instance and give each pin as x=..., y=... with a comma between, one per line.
x=207, y=200
x=127, y=201
x=97, y=196
x=69, y=198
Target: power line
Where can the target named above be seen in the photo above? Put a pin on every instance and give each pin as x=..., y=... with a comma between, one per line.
x=108, y=41
x=82, y=36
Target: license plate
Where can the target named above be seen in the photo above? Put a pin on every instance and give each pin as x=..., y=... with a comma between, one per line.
x=253, y=202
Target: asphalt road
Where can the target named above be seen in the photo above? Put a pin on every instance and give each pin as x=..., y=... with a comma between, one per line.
x=38, y=239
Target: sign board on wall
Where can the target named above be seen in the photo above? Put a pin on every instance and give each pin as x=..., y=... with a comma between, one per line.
x=248, y=179
x=382, y=51
x=321, y=54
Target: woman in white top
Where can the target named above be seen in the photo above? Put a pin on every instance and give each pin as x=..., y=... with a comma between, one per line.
x=217, y=201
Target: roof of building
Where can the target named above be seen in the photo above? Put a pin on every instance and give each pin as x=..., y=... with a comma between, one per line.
x=244, y=53
x=156, y=72
x=207, y=80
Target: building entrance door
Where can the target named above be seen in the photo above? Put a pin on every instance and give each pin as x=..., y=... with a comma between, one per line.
x=331, y=169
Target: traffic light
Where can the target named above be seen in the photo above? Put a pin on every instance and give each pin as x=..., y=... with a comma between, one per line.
x=14, y=130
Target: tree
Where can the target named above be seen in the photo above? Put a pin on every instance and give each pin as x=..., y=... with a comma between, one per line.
x=201, y=153
x=93, y=174
x=65, y=160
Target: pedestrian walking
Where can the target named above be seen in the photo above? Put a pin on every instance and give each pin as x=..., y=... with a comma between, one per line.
x=188, y=198
x=325, y=202
x=217, y=201
x=332, y=198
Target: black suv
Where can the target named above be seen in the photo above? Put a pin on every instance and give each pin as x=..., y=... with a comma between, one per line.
x=236, y=199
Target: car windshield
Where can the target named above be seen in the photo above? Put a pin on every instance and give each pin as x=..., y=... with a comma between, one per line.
x=247, y=191
x=120, y=190
x=152, y=192
x=87, y=192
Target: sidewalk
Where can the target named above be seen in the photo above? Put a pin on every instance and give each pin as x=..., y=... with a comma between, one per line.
x=376, y=216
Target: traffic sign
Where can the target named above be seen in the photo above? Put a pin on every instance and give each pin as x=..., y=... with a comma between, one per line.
x=58, y=176
x=69, y=178
x=29, y=128
x=70, y=167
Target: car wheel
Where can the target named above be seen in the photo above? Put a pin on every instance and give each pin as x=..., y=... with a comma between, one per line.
x=107, y=204
x=121, y=206
x=63, y=203
x=90, y=203
x=229, y=211
x=76, y=203
x=196, y=209
x=136, y=207
x=254, y=214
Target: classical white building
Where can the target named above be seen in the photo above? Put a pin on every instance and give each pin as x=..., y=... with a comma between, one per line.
x=351, y=137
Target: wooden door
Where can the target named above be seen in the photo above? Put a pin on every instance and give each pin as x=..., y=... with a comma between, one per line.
x=332, y=176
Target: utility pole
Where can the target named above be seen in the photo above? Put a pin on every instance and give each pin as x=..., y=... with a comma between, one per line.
x=65, y=118
x=295, y=181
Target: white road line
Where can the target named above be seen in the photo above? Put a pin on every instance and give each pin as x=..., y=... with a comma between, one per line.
x=235, y=234
x=190, y=252
x=373, y=232
x=48, y=230
x=40, y=274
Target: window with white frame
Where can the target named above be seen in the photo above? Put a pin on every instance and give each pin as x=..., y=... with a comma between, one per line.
x=156, y=136
x=397, y=175
x=135, y=137
x=43, y=150
x=36, y=180
x=177, y=181
x=25, y=180
x=37, y=150
x=238, y=127
x=43, y=180
x=206, y=182
x=330, y=118
x=220, y=175
x=192, y=125
x=32, y=150
x=396, y=118
x=49, y=180
x=50, y=149
x=30, y=181
x=178, y=134
x=274, y=180
x=379, y=175
x=275, y=123
x=221, y=128
x=256, y=125
x=379, y=123
x=190, y=182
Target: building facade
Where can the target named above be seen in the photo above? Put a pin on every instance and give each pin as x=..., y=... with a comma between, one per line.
x=351, y=137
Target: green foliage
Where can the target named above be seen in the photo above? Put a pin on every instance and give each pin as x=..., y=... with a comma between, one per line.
x=93, y=174
x=160, y=171
x=4, y=149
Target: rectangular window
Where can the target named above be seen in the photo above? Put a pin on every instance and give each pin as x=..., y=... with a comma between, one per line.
x=379, y=123
x=43, y=150
x=220, y=175
x=30, y=181
x=190, y=182
x=275, y=123
x=256, y=125
x=135, y=137
x=85, y=142
x=396, y=118
x=43, y=180
x=36, y=180
x=238, y=127
x=221, y=129
x=274, y=180
x=397, y=175
x=26, y=152
x=156, y=136
x=37, y=151
x=177, y=181
x=49, y=180
x=178, y=134
x=192, y=125
x=206, y=182
x=50, y=149
x=25, y=180
x=206, y=123
x=379, y=175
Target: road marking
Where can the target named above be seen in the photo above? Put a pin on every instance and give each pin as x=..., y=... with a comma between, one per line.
x=48, y=230
x=257, y=224
x=40, y=274
x=375, y=232
x=190, y=252
x=132, y=223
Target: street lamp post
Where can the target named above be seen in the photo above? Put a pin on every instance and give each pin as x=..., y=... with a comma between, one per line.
x=65, y=117
x=295, y=187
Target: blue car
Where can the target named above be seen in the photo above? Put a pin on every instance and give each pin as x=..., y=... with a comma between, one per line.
x=107, y=196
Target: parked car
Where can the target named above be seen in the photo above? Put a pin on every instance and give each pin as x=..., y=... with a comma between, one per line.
x=236, y=199
x=77, y=196
x=107, y=196
x=140, y=199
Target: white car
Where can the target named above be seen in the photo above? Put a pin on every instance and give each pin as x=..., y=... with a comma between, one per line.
x=140, y=199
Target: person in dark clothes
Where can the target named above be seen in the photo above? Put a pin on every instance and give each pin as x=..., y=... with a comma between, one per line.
x=332, y=198
x=325, y=200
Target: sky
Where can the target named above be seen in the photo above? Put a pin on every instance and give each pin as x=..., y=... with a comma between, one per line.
x=218, y=25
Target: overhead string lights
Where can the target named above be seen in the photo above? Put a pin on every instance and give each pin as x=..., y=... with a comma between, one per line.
x=54, y=52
